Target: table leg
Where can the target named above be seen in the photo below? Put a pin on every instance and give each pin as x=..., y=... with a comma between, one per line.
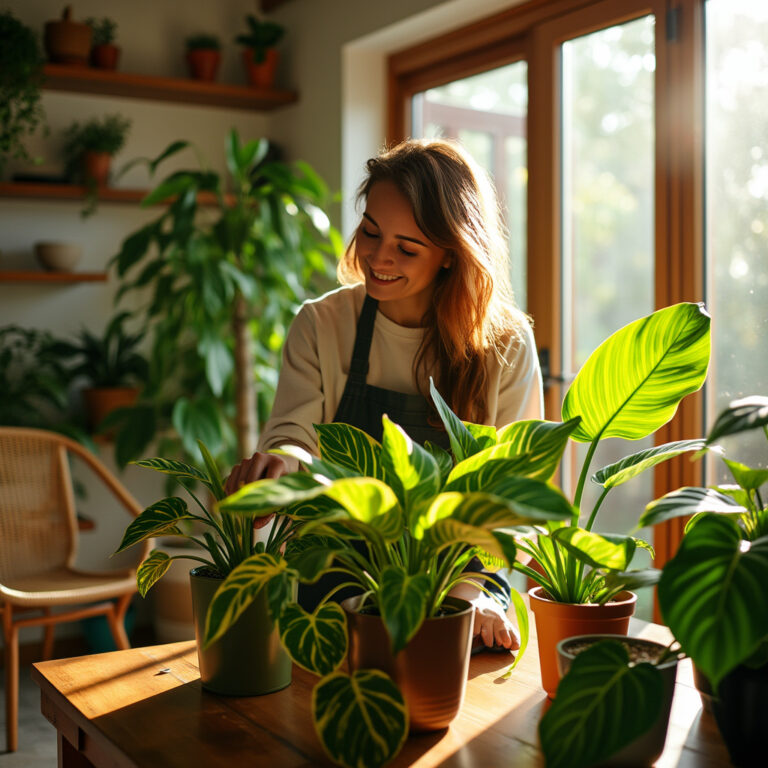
x=69, y=757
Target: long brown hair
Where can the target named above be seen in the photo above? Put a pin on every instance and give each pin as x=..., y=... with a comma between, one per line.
x=473, y=309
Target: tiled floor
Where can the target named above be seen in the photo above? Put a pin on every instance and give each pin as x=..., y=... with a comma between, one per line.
x=37, y=737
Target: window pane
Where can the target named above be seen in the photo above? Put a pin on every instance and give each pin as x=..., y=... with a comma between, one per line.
x=487, y=114
x=608, y=248
x=737, y=214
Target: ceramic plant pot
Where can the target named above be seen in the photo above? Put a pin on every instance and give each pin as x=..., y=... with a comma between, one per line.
x=645, y=749
x=58, y=257
x=248, y=660
x=96, y=167
x=101, y=401
x=431, y=671
x=203, y=63
x=105, y=56
x=261, y=75
x=558, y=621
x=67, y=41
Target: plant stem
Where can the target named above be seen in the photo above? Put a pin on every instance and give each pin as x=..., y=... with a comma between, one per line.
x=584, y=472
x=591, y=520
x=245, y=389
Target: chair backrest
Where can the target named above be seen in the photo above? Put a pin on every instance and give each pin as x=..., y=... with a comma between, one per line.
x=37, y=511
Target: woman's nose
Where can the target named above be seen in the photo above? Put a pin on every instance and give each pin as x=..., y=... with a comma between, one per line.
x=379, y=253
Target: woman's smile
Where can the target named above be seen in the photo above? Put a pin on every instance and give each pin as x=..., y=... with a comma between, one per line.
x=380, y=277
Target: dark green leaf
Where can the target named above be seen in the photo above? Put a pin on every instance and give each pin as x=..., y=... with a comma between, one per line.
x=463, y=444
x=161, y=517
x=315, y=641
x=403, y=603
x=740, y=416
x=688, y=501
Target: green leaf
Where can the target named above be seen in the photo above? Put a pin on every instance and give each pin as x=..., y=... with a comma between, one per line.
x=315, y=641
x=133, y=248
x=740, y=416
x=403, y=604
x=159, y=518
x=485, y=435
x=172, y=467
x=197, y=420
x=598, y=550
x=633, y=382
x=351, y=448
x=171, y=149
x=218, y=362
x=749, y=479
x=173, y=186
x=151, y=570
x=521, y=614
x=637, y=463
x=310, y=556
x=369, y=501
x=463, y=444
x=442, y=457
x=263, y=497
x=361, y=720
x=416, y=472
x=618, y=580
x=214, y=480
x=712, y=595
x=601, y=705
x=688, y=501
x=238, y=591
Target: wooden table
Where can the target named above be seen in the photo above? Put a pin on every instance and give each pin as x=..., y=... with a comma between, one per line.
x=145, y=707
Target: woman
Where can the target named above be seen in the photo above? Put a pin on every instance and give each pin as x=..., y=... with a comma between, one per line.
x=426, y=292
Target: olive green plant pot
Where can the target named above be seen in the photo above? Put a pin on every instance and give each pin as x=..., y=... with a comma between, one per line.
x=248, y=660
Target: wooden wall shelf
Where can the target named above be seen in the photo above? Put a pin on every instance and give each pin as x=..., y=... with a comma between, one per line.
x=59, y=77
x=32, y=276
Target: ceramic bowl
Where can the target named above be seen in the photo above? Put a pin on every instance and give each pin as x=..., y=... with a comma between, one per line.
x=58, y=257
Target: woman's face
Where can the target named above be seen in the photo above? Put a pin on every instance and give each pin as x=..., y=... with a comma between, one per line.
x=399, y=262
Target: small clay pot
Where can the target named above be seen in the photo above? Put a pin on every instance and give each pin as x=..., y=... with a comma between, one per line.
x=58, y=257
x=101, y=401
x=96, y=167
x=203, y=63
x=261, y=75
x=67, y=41
x=105, y=56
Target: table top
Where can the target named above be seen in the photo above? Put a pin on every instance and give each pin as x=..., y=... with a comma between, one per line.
x=146, y=707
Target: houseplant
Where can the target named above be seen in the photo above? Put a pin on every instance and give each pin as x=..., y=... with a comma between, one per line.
x=712, y=598
x=422, y=518
x=104, y=53
x=203, y=56
x=111, y=365
x=223, y=285
x=68, y=41
x=90, y=146
x=21, y=69
x=260, y=55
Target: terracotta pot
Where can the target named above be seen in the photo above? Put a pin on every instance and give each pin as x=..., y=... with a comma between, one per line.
x=105, y=56
x=431, y=671
x=101, y=401
x=646, y=748
x=248, y=659
x=203, y=63
x=558, y=621
x=67, y=41
x=261, y=75
x=96, y=167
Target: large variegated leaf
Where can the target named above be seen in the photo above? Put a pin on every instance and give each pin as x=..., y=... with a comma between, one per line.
x=485, y=434
x=688, y=501
x=315, y=641
x=442, y=457
x=485, y=474
x=361, y=720
x=598, y=550
x=463, y=443
x=162, y=517
x=448, y=532
x=516, y=464
x=238, y=591
x=173, y=468
x=617, y=580
x=215, y=481
x=601, y=705
x=410, y=466
x=351, y=448
x=310, y=556
x=637, y=463
x=314, y=465
x=543, y=441
x=712, y=595
x=265, y=496
x=633, y=382
x=403, y=604
x=749, y=479
x=740, y=416
x=369, y=501
x=152, y=569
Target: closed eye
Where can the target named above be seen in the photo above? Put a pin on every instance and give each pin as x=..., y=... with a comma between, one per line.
x=405, y=252
x=367, y=233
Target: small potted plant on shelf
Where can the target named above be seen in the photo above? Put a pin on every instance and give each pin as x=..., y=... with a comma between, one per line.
x=21, y=69
x=89, y=148
x=260, y=55
x=423, y=516
x=111, y=365
x=712, y=597
x=104, y=53
x=203, y=57
x=68, y=41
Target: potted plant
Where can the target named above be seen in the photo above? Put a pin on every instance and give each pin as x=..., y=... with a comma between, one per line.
x=224, y=283
x=21, y=68
x=110, y=364
x=104, y=53
x=68, y=41
x=712, y=597
x=260, y=55
x=422, y=517
x=203, y=56
x=90, y=146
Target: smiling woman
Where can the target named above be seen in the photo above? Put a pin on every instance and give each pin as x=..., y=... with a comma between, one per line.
x=426, y=294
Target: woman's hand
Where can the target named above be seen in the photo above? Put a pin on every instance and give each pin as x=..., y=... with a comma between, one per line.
x=491, y=623
x=259, y=466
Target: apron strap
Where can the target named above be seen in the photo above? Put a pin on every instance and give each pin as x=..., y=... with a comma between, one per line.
x=358, y=367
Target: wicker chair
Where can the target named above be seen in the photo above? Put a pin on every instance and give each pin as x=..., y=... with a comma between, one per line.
x=38, y=546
